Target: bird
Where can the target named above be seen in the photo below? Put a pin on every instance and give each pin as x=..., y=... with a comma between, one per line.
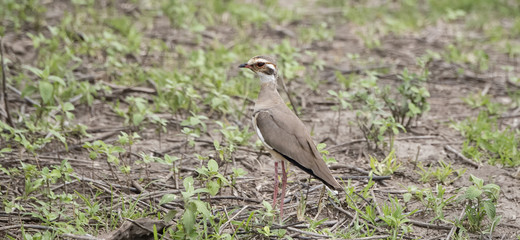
x=282, y=133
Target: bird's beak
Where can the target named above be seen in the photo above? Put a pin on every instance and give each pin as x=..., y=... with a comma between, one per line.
x=244, y=65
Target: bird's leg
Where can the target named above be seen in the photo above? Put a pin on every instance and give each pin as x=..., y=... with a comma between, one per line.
x=284, y=185
x=275, y=194
x=308, y=187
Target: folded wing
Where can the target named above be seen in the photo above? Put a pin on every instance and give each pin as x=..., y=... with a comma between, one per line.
x=283, y=132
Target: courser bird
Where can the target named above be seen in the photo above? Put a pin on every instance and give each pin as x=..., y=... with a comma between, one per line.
x=281, y=131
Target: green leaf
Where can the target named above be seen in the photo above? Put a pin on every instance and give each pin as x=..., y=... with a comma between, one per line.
x=57, y=79
x=477, y=181
x=472, y=193
x=490, y=209
x=34, y=70
x=60, y=137
x=407, y=197
x=213, y=187
x=167, y=198
x=6, y=150
x=188, y=184
x=68, y=106
x=333, y=93
x=212, y=166
x=188, y=220
x=137, y=119
x=238, y=172
x=202, y=208
x=170, y=159
x=170, y=215
x=267, y=206
x=46, y=91
x=28, y=90
x=491, y=190
x=92, y=155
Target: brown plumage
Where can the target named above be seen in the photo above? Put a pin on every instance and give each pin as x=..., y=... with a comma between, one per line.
x=281, y=131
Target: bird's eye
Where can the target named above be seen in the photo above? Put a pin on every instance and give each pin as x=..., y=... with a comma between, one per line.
x=260, y=64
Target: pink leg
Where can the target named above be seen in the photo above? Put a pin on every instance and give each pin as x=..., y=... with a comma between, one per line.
x=284, y=185
x=275, y=194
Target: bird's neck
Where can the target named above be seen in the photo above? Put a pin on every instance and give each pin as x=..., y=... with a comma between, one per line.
x=265, y=78
x=268, y=96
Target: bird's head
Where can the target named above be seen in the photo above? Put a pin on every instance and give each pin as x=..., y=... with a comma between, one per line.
x=264, y=67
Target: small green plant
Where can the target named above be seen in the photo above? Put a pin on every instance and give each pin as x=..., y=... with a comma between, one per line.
x=371, y=117
x=387, y=166
x=137, y=111
x=213, y=179
x=434, y=201
x=233, y=135
x=481, y=201
x=484, y=140
x=411, y=101
x=443, y=173
x=395, y=218
x=325, y=154
x=111, y=152
x=193, y=207
x=369, y=212
x=318, y=32
x=477, y=100
x=193, y=127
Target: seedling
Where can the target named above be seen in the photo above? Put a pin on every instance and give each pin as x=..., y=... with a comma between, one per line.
x=387, y=166
x=325, y=154
x=485, y=141
x=213, y=179
x=443, y=173
x=395, y=218
x=434, y=202
x=481, y=201
x=411, y=101
x=193, y=127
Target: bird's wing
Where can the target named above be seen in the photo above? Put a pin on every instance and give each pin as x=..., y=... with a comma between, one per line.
x=283, y=132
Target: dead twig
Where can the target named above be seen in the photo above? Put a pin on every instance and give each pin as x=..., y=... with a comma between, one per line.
x=125, y=89
x=27, y=99
x=138, y=186
x=465, y=159
x=372, y=237
x=40, y=227
x=338, y=166
x=231, y=218
x=342, y=145
x=319, y=236
x=236, y=198
x=452, y=231
x=375, y=202
x=102, y=136
x=79, y=237
x=32, y=226
x=106, y=187
x=374, y=178
x=4, y=84
x=429, y=225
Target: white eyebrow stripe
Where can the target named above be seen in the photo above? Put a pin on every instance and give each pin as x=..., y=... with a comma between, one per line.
x=255, y=61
